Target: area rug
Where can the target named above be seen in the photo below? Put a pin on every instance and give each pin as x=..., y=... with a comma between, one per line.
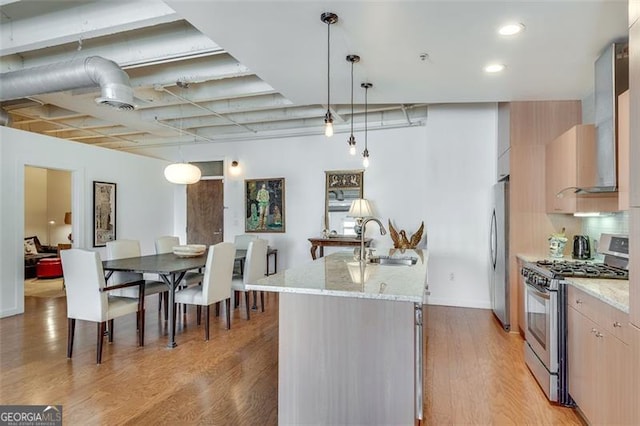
x=44, y=287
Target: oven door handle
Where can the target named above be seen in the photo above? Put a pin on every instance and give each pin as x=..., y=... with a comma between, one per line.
x=538, y=293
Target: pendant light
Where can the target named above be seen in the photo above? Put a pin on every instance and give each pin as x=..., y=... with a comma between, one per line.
x=182, y=173
x=328, y=18
x=352, y=140
x=365, y=153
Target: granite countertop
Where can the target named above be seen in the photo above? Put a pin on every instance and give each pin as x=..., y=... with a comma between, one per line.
x=612, y=292
x=338, y=274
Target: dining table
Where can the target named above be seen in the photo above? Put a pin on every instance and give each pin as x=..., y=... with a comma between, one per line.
x=171, y=268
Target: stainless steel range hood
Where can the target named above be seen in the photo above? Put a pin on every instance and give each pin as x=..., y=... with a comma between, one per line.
x=611, y=79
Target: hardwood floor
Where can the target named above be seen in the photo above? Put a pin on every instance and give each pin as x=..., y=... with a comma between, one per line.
x=475, y=373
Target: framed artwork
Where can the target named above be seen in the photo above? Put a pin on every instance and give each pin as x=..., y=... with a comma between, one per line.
x=104, y=213
x=264, y=205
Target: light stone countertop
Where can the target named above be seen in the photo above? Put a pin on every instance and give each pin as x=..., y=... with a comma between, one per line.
x=612, y=292
x=338, y=274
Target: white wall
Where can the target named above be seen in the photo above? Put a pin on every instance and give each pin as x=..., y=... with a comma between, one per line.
x=145, y=199
x=35, y=202
x=461, y=170
x=47, y=197
x=441, y=173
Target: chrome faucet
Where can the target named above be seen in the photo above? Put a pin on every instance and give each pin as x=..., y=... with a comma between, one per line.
x=364, y=228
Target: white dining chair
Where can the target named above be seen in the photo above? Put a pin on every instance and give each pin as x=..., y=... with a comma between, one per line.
x=122, y=249
x=87, y=300
x=255, y=268
x=216, y=285
x=241, y=241
x=165, y=244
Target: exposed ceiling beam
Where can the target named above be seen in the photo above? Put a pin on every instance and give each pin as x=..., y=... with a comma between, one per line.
x=77, y=22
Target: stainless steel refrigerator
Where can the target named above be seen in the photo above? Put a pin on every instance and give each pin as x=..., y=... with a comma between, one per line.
x=499, y=244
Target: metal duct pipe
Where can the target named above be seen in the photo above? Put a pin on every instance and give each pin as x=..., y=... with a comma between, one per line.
x=5, y=118
x=74, y=74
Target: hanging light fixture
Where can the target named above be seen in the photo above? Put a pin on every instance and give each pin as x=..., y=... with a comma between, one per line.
x=328, y=18
x=352, y=140
x=182, y=173
x=365, y=153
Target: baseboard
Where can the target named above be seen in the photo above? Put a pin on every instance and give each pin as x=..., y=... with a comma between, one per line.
x=458, y=303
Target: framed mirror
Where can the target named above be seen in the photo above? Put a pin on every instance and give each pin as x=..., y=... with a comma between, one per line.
x=341, y=188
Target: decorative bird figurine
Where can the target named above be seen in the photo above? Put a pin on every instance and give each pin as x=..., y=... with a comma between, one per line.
x=400, y=238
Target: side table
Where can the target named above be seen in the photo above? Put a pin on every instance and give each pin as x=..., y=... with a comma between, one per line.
x=335, y=242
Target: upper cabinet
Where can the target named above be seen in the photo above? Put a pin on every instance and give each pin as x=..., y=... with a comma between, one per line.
x=623, y=151
x=569, y=164
x=634, y=111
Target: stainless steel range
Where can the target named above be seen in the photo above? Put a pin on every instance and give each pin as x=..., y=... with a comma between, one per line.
x=545, y=346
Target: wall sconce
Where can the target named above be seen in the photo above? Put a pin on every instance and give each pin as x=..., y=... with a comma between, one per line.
x=235, y=168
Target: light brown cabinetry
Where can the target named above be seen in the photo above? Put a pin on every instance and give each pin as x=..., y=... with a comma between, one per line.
x=569, y=163
x=634, y=268
x=600, y=360
x=634, y=113
x=531, y=126
x=623, y=151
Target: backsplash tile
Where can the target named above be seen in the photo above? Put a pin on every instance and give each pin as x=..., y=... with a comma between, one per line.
x=616, y=223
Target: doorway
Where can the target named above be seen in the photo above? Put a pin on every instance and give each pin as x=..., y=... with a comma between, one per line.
x=47, y=224
x=205, y=212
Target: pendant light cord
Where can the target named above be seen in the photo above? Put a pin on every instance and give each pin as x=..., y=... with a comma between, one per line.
x=352, y=98
x=366, y=104
x=328, y=66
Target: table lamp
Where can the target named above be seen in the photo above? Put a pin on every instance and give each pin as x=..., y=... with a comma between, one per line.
x=360, y=209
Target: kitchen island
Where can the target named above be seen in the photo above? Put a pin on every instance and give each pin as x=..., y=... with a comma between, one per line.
x=350, y=339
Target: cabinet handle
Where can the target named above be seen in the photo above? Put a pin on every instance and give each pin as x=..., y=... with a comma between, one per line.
x=578, y=302
x=617, y=324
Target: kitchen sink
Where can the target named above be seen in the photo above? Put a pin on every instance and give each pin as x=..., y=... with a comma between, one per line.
x=397, y=261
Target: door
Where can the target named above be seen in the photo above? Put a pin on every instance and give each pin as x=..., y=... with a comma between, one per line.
x=205, y=212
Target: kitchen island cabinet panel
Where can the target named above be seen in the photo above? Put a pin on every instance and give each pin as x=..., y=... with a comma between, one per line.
x=339, y=355
x=350, y=339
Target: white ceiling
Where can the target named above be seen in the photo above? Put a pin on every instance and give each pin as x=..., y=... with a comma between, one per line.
x=257, y=69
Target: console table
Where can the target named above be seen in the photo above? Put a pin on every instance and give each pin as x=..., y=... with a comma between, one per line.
x=335, y=242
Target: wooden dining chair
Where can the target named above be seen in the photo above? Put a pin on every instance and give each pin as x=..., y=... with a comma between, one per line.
x=87, y=299
x=121, y=249
x=255, y=267
x=216, y=284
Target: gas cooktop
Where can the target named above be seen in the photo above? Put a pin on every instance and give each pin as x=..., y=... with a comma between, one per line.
x=582, y=269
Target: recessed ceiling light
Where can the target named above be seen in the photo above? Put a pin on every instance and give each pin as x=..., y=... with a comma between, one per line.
x=493, y=68
x=511, y=29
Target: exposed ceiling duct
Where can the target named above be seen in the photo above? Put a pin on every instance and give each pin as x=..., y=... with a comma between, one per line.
x=74, y=74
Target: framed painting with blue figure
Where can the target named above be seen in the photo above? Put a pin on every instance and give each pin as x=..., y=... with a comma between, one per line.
x=264, y=205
